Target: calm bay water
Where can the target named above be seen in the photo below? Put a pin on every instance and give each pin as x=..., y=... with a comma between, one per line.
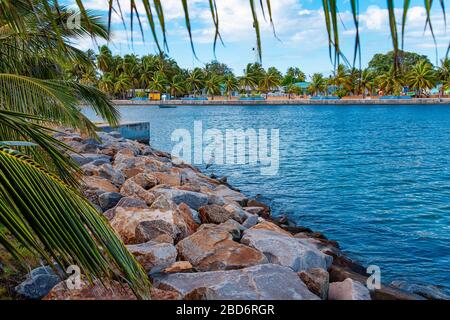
x=374, y=178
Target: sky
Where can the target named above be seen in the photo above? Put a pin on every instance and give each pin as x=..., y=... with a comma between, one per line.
x=302, y=39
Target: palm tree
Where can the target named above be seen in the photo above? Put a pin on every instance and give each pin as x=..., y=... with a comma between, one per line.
x=107, y=83
x=249, y=80
x=41, y=207
x=176, y=86
x=443, y=74
x=105, y=59
x=366, y=81
x=122, y=85
x=391, y=82
x=212, y=85
x=230, y=84
x=158, y=82
x=318, y=84
x=422, y=77
x=342, y=78
x=292, y=89
x=195, y=80
x=269, y=81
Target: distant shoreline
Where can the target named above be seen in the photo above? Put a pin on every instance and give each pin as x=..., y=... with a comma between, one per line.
x=421, y=101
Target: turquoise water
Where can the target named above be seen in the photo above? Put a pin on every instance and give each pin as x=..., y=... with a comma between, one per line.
x=374, y=178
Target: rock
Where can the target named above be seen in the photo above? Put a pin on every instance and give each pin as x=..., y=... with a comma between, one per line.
x=85, y=158
x=144, y=180
x=126, y=202
x=132, y=189
x=187, y=215
x=109, y=200
x=236, y=210
x=255, y=210
x=429, y=292
x=213, y=199
x=100, y=184
x=286, y=251
x=38, y=284
x=153, y=256
x=250, y=222
x=262, y=282
x=266, y=225
x=162, y=202
x=228, y=194
x=142, y=225
x=215, y=214
x=98, y=291
x=256, y=203
x=231, y=226
x=213, y=249
x=348, y=290
x=195, y=200
x=115, y=134
x=108, y=172
x=340, y=273
x=317, y=280
x=179, y=267
x=173, y=180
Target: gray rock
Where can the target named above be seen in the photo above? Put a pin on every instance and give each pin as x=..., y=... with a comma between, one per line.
x=38, y=284
x=427, y=291
x=285, y=250
x=261, y=282
x=348, y=290
x=231, y=195
x=250, y=222
x=109, y=200
x=317, y=280
x=154, y=257
x=194, y=200
x=108, y=172
x=115, y=134
x=86, y=158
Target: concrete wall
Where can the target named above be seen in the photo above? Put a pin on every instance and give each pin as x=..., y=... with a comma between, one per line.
x=292, y=102
x=139, y=131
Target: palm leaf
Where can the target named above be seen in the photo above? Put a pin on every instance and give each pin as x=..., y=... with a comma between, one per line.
x=55, y=221
x=257, y=30
x=188, y=25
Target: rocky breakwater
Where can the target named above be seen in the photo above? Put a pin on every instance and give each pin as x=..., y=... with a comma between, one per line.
x=198, y=238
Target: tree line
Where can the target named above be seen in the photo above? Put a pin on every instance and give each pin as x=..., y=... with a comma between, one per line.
x=120, y=76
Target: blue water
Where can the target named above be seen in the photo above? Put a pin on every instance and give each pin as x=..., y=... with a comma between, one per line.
x=374, y=178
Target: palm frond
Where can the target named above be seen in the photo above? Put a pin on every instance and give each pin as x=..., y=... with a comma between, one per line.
x=44, y=214
x=19, y=127
x=56, y=101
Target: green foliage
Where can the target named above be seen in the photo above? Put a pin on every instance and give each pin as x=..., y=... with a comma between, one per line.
x=382, y=63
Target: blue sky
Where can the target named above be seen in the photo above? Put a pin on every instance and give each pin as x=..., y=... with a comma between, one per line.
x=299, y=24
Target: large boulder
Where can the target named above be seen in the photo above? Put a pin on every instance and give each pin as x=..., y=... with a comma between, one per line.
x=144, y=180
x=99, y=184
x=109, y=200
x=213, y=249
x=317, y=280
x=195, y=200
x=231, y=195
x=86, y=158
x=142, y=225
x=110, y=291
x=286, y=251
x=126, y=202
x=154, y=256
x=38, y=284
x=108, y=172
x=131, y=189
x=262, y=282
x=348, y=290
x=216, y=214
